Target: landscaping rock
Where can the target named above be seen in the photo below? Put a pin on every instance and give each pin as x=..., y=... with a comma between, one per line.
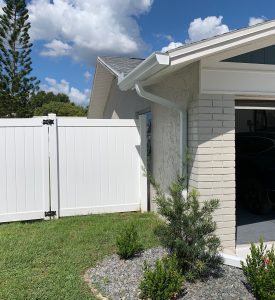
x=119, y=279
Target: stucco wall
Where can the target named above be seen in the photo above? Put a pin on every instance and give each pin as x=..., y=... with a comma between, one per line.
x=212, y=144
x=181, y=88
x=123, y=105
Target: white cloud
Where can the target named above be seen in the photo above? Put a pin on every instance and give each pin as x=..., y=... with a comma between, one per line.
x=75, y=95
x=87, y=75
x=56, y=48
x=255, y=21
x=89, y=27
x=200, y=29
x=171, y=46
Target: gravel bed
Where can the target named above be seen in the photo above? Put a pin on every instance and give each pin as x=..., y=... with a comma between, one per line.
x=119, y=279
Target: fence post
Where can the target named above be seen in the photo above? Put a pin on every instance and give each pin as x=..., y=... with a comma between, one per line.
x=143, y=162
x=54, y=176
x=45, y=168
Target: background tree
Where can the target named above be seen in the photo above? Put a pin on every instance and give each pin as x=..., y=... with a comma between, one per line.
x=16, y=83
x=40, y=98
x=61, y=109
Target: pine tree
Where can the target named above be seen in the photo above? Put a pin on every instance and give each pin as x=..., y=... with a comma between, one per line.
x=16, y=83
x=189, y=230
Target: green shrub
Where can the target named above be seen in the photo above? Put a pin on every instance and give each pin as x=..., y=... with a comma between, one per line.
x=189, y=230
x=259, y=270
x=128, y=243
x=162, y=282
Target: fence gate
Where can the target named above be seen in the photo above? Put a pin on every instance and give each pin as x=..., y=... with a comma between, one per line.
x=24, y=169
x=71, y=166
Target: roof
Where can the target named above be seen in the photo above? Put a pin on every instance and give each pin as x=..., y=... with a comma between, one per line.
x=157, y=63
x=217, y=36
x=130, y=71
x=120, y=65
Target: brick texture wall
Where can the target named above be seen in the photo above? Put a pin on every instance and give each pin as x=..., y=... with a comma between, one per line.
x=211, y=122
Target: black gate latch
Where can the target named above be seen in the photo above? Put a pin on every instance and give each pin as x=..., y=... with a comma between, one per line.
x=48, y=122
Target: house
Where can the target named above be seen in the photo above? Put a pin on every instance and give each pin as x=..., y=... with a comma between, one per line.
x=200, y=96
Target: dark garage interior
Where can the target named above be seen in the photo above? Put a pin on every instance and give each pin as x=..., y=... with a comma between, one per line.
x=255, y=171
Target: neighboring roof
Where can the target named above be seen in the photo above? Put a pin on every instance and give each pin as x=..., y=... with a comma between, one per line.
x=184, y=55
x=120, y=65
x=107, y=69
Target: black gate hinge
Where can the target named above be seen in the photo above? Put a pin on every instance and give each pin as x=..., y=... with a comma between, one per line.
x=50, y=213
x=48, y=122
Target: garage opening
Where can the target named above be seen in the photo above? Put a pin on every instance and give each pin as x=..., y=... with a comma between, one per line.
x=255, y=171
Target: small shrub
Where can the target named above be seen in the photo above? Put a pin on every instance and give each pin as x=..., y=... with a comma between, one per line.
x=128, y=243
x=259, y=270
x=189, y=230
x=162, y=282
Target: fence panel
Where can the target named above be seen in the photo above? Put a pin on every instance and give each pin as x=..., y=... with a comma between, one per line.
x=99, y=165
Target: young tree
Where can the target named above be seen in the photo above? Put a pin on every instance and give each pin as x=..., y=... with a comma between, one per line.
x=16, y=83
x=189, y=231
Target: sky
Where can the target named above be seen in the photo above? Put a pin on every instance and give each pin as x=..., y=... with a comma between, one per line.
x=68, y=35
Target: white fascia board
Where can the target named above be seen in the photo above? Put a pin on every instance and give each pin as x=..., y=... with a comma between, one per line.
x=153, y=64
x=235, y=81
x=221, y=43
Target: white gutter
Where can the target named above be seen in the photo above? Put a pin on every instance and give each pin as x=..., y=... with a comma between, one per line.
x=183, y=119
x=151, y=65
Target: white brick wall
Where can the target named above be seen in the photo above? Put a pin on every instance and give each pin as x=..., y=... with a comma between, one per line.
x=212, y=145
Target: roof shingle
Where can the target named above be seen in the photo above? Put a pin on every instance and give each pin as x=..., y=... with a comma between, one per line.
x=121, y=65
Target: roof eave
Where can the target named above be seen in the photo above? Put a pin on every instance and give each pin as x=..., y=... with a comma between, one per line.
x=207, y=47
x=153, y=64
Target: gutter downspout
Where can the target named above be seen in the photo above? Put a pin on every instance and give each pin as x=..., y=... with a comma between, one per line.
x=183, y=121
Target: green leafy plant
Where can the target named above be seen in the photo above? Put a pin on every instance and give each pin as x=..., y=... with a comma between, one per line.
x=189, y=230
x=259, y=269
x=128, y=242
x=162, y=282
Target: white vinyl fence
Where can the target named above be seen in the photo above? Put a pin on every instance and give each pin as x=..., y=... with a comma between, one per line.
x=71, y=166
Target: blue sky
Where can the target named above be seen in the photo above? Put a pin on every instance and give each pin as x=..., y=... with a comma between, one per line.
x=69, y=34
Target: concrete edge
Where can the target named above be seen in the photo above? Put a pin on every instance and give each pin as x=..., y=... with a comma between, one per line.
x=232, y=260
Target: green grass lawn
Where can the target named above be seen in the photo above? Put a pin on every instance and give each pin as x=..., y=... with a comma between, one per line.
x=47, y=259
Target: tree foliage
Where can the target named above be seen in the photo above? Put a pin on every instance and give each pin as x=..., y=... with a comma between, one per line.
x=60, y=109
x=40, y=98
x=16, y=83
